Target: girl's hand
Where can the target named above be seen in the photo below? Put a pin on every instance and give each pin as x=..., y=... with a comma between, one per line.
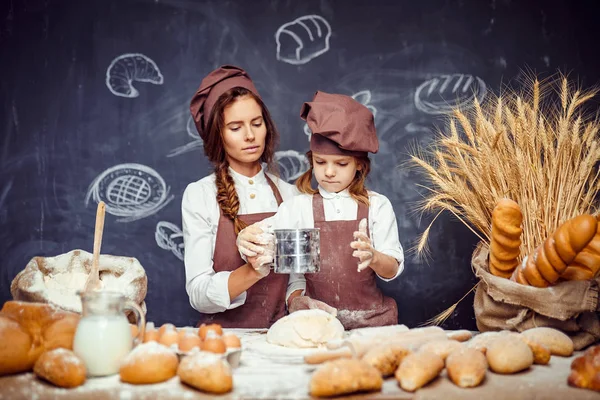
x=363, y=249
x=306, y=303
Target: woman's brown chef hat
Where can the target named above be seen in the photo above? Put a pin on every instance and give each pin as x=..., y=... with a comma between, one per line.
x=340, y=125
x=211, y=88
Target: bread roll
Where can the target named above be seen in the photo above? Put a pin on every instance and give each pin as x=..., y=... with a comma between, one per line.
x=60, y=367
x=149, y=362
x=205, y=371
x=47, y=327
x=556, y=341
x=466, y=367
x=344, y=376
x=508, y=354
x=574, y=246
x=541, y=353
x=15, y=345
x=461, y=335
x=441, y=347
x=386, y=357
x=505, y=241
x=482, y=341
x=585, y=370
x=418, y=369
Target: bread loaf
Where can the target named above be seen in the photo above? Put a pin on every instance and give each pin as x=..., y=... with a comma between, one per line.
x=149, y=362
x=15, y=345
x=61, y=367
x=508, y=354
x=29, y=329
x=418, y=369
x=556, y=341
x=386, y=357
x=461, y=335
x=505, y=241
x=466, y=367
x=572, y=252
x=441, y=347
x=344, y=376
x=585, y=370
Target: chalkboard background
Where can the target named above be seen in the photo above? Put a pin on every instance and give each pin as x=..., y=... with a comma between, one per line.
x=62, y=126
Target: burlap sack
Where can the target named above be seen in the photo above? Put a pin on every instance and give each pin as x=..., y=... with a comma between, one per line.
x=120, y=274
x=571, y=306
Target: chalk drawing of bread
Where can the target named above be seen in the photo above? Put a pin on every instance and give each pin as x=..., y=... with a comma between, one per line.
x=168, y=236
x=130, y=191
x=126, y=69
x=302, y=39
x=444, y=93
x=292, y=164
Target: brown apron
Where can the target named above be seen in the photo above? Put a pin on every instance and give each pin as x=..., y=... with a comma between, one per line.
x=359, y=301
x=265, y=300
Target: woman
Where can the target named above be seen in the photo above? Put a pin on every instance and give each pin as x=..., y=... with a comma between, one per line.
x=358, y=230
x=239, y=135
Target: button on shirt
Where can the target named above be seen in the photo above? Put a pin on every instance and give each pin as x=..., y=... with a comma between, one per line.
x=208, y=290
x=297, y=213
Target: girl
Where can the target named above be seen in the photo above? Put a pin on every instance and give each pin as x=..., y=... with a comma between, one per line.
x=357, y=226
x=238, y=136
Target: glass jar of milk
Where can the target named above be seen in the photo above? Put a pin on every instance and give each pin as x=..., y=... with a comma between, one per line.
x=103, y=336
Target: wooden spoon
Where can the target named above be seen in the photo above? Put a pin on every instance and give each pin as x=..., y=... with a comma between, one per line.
x=93, y=280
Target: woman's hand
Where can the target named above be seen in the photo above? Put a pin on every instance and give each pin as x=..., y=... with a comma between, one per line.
x=262, y=263
x=253, y=239
x=306, y=303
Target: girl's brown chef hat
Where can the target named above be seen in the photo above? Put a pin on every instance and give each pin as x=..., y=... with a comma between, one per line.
x=340, y=125
x=211, y=88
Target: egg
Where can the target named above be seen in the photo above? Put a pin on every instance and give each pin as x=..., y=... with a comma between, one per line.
x=214, y=345
x=151, y=335
x=188, y=341
x=232, y=341
x=169, y=338
x=185, y=331
x=204, y=329
x=164, y=328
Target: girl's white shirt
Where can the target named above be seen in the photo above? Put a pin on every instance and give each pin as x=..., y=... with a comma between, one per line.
x=297, y=213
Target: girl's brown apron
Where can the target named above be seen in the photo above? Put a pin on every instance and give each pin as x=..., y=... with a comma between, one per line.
x=359, y=301
x=265, y=300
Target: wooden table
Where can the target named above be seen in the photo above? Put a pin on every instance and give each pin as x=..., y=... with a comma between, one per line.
x=265, y=374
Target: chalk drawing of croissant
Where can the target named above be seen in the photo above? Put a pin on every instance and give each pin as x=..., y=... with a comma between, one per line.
x=126, y=69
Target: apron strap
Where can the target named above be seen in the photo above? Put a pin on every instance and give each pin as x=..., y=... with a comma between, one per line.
x=275, y=190
x=319, y=210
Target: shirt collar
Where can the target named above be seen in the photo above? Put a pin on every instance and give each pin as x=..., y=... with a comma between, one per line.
x=327, y=195
x=245, y=180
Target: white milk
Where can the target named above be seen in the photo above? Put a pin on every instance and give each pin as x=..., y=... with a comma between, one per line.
x=102, y=342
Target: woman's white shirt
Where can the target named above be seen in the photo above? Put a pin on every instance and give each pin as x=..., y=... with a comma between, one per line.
x=208, y=290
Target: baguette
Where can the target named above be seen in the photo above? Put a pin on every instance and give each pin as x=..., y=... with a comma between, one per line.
x=418, y=369
x=572, y=252
x=505, y=240
x=466, y=367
